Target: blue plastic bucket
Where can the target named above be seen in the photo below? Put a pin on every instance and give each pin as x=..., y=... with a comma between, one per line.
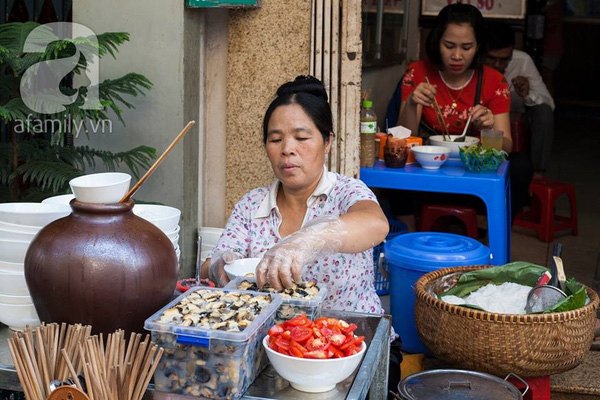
x=411, y=256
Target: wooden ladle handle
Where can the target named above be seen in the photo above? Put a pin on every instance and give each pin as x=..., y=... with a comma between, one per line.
x=158, y=162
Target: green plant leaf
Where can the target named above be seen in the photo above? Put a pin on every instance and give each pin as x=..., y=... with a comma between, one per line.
x=52, y=175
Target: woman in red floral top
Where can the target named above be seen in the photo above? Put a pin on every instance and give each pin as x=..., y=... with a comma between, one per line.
x=455, y=48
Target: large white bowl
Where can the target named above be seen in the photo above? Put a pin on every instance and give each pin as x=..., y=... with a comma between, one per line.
x=13, y=251
x=19, y=228
x=431, y=157
x=102, y=188
x=32, y=214
x=242, y=267
x=166, y=218
x=10, y=299
x=438, y=140
x=313, y=376
x=173, y=234
x=17, y=316
x=175, y=241
x=11, y=267
x=10, y=235
x=13, y=284
x=60, y=199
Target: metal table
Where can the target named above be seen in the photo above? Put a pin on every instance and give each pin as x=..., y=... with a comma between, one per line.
x=369, y=379
x=452, y=177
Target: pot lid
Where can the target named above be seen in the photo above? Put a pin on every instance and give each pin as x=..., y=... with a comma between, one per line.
x=451, y=384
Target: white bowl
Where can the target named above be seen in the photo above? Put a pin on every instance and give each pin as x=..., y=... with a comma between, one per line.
x=175, y=241
x=13, y=284
x=17, y=316
x=32, y=214
x=60, y=199
x=10, y=267
x=242, y=267
x=10, y=235
x=11, y=299
x=310, y=375
x=18, y=228
x=431, y=157
x=166, y=218
x=438, y=140
x=210, y=236
x=173, y=234
x=13, y=251
x=102, y=188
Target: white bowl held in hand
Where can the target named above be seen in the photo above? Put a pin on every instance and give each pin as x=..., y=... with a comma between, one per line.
x=32, y=214
x=431, y=157
x=243, y=267
x=166, y=218
x=17, y=316
x=102, y=188
x=13, y=284
x=313, y=375
x=60, y=199
x=13, y=251
x=438, y=140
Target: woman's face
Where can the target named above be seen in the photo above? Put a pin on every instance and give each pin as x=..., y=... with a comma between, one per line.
x=458, y=47
x=295, y=147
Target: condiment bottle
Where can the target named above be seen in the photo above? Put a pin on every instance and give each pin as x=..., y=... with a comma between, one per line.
x=368, y=129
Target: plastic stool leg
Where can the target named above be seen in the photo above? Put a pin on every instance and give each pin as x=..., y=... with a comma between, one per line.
x=546, y=232
x=573, y=202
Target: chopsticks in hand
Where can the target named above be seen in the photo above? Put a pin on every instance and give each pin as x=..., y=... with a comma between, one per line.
x=440, y=116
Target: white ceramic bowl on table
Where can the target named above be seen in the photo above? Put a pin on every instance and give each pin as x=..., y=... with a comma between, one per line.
x=431, y=157
x=19, y=228
x=60, y=199
x=310, y=375
x=9, y=235
x=438, y=140
x=173, y=234
x=13, y=284
x=17, y=316
x=6, y=266
x=32, y=214
x=13, y=251
x=12, y=299
x=102, y=188
x=166, y=218
x=242, y=267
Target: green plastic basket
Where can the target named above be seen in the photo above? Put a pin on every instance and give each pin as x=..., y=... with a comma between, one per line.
x=477, y=162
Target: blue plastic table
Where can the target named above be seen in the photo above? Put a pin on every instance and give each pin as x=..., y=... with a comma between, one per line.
x=493, y=188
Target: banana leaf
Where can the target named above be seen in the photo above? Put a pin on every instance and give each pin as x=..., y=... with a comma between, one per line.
x=576, y=297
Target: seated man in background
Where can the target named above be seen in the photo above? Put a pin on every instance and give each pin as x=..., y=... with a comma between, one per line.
x=528, y=93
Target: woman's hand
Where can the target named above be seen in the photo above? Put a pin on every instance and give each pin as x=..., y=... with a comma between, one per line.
x=216, y=268
x=482, y=117
x=283, y=264
x=424, y=94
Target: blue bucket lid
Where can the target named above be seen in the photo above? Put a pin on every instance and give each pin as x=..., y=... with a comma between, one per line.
x=428, y=251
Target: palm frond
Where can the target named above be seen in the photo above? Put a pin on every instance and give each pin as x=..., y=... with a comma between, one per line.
x=13, y=110
x=109, y=42
x=139, y=158
x=50, y=175
x=14, y=34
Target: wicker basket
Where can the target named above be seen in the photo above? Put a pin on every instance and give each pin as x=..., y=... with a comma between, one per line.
x=528, y=345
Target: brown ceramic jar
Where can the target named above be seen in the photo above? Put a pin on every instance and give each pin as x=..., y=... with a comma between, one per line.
x=103, y=266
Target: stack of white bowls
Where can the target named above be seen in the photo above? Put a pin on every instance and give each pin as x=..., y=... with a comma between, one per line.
x=19, y=223
x=166, y=218
x=210, y=236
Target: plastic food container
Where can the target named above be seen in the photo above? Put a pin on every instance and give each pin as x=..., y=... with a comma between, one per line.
x=210, y=363
x=411, y=256
x=290, y=307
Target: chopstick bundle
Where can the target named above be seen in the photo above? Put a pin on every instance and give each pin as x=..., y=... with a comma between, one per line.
x=39, y=361
x=440, y=116
x=113, y=370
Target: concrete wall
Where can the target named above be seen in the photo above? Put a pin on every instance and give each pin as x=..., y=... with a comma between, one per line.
x=381, y=83
x=164, y=46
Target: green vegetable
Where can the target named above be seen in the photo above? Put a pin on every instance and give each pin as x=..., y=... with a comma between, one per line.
x=479, y=150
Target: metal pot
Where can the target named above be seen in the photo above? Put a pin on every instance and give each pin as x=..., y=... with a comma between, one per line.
x=449, y=384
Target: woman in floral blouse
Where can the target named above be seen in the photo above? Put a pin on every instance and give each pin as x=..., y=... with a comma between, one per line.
x=309, y=224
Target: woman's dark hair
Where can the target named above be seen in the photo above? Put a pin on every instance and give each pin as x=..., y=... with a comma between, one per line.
x=500, y=35
x=309, y=93
x=457, y=13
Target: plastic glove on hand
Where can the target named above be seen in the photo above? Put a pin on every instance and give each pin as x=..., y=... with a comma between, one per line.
x=216, y=269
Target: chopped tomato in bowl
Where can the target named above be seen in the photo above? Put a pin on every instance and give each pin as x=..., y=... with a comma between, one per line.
x=314, y=355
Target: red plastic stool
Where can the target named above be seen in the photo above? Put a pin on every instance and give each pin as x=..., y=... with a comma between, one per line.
x=519, y=134
x=431, y=213
x=539, y=388
x=541, y=216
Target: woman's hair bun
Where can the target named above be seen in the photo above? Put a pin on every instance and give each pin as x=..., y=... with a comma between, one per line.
x=304, y=84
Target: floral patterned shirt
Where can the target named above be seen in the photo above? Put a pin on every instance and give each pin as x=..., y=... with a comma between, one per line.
x=253, y=228
x=455, y=104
